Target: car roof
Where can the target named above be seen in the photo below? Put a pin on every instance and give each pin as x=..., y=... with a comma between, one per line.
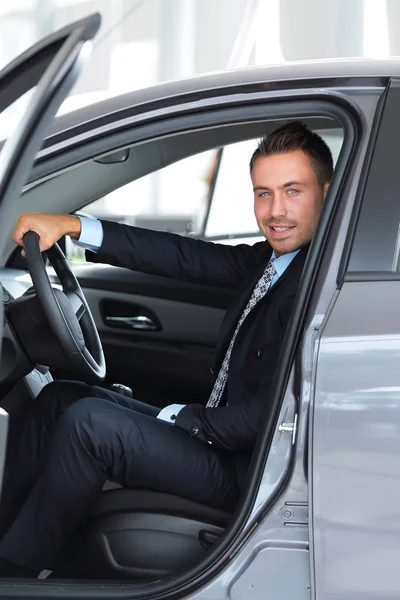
x=309, y=74
x=324, y=73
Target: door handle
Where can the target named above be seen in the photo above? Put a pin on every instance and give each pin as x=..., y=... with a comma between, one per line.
x=139, y=322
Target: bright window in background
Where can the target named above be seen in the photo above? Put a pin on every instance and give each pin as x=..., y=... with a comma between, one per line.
x=173, y=199
x=13, y=114
x=141, y=73
x=232, y=207
x=268, y=53
x=376, y=40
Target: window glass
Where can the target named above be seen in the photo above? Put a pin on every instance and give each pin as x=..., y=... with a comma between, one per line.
x=173, y=199
x=231, y=211
x=12, y=115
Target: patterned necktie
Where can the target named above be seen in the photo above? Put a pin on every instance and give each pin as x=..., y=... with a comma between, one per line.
x=261, y=288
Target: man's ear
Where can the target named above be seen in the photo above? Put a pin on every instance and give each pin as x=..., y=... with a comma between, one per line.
x=325, y=189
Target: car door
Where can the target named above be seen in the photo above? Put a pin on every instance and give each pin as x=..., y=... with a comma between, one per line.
x=355, y=456
x=47, y=70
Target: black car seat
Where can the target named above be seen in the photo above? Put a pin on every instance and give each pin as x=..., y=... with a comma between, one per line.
x=140, y=534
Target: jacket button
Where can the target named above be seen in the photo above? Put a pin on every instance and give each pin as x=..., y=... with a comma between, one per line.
x=258, y=353
x=194, y=430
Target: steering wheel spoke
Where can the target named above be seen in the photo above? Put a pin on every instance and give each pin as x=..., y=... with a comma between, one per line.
x=78, y=306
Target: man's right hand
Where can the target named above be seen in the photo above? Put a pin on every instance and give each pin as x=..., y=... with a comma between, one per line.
x=50, y=228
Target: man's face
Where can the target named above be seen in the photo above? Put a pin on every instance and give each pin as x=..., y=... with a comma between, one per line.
x=287, y=199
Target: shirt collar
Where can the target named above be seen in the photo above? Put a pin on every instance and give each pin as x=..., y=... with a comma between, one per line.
x=282, y=262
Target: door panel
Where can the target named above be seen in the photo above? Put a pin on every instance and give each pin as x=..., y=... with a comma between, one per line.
x=174, y=322
x=107, y=277
x=170, y=363
x=356, y=450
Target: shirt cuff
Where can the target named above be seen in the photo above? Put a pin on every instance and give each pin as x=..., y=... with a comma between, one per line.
x=169, y=413
x=91, y=237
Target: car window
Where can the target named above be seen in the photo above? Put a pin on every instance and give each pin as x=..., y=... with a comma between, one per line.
x=231, y=210
x=12, y=115
x=174, y=199
x=207, y=195
x=171, y=199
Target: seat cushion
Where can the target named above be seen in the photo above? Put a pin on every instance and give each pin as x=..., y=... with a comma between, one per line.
x=128, y=500
x=140, y=534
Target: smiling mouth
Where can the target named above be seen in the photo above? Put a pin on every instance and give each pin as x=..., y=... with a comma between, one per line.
x=280, y=230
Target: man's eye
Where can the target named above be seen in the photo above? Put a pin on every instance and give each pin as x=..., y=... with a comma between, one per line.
x=264, y=194
x=292, y=191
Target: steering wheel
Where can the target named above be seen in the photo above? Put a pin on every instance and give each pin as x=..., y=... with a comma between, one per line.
x=66, y=312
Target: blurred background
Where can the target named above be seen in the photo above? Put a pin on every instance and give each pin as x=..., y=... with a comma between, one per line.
x=143, y=42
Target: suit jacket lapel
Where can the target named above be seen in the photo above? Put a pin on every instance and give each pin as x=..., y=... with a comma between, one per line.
x=237, y=307
x=234, y=313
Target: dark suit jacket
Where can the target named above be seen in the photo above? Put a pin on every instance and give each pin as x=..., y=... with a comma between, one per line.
x=232, y=427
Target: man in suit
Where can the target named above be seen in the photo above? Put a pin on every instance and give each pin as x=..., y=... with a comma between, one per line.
x=76, y=437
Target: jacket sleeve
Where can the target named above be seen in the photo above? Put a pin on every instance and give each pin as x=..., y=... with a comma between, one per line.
x=227, y=427
x=177, y=257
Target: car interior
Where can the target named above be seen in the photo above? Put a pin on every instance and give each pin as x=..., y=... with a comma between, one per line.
x=158, y=336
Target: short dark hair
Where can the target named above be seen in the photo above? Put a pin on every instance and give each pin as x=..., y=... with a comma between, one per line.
x=296, y=136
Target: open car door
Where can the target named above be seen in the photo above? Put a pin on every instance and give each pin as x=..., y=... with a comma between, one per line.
x=49, y=69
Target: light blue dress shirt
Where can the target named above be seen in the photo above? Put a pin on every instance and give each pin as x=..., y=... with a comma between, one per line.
x=92, y=237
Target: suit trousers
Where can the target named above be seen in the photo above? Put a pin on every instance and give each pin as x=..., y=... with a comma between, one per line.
x=76, y=437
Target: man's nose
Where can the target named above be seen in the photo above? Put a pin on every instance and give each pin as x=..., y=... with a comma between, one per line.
x=278, y=206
